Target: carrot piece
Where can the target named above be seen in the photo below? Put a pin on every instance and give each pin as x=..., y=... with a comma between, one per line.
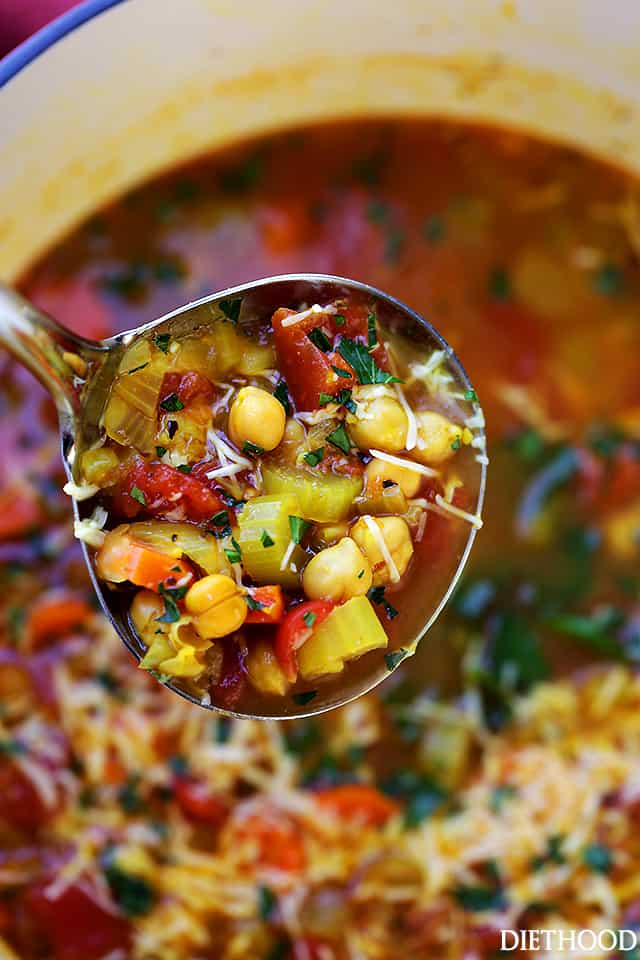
x=123, y=558
x=357, y=801
x=19, y=513
x=271, y=601
x=55, y=614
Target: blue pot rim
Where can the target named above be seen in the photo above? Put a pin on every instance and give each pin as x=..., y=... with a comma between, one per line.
x=34, y=46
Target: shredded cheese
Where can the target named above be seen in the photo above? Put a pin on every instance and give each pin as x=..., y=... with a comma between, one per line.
x=80, y=491
x=412, y=423
x=303, y=314
x=381, y=543
x=446, y=507
x=231, y=462
x=403, y=462
x=287, y=554
x=90, y=530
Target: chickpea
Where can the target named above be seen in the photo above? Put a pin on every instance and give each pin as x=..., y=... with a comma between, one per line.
x=337, y=573
x=380, y=470
x=436, y=438
x=216, y=605
x=187, y=662
x=256, y=417
x=326, y=534
x=265, y=673
x=379, y=420
x=145, y=609
x=397, y=538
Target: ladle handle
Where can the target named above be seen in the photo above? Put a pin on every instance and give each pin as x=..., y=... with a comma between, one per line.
x=53, y=354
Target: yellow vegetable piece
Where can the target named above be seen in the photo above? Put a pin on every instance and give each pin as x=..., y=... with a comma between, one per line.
x=382, y=500
x=256, y=358
x=187, y=662
x=349, y=631
x=229, y=346
x=198, y=353
x=183, y=633
x=256, y=417
x=323, y=497
x=141, y=389
x=177, y=539
x=99, y=466
x=265, y=673
x=127, y=426
x=337, y=573
x=216, y=605
x=159, y=650
x=270, y=514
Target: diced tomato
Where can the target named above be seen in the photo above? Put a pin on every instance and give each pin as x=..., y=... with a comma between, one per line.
x=19, y=513
x=188, y=387
x=271, y=602
x=54, y=614
x=21, y=804
x=167, y=491
x=357, y=801
x=198, y=801
x=77, y=305
x=228, y=690
x=306, y=368
x=293, y=631
x=278, y=841
x=79, y=923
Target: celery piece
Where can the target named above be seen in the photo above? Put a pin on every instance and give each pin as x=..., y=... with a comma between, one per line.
x=159, y=649
x=127, y=426
x=176, y=539
x=141, y=389
x=349, y=631
x=382, y=501
x=198, y=353
x=270, y=514
x=256, y=358
x=229, y=347
x=323, y=497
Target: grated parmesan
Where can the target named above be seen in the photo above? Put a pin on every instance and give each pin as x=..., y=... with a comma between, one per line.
x=402, y=462
x=294, y=318
x=381, y=543
x=90, y=530
x=412, y=423
x=287, y=554
x=80, y=491
x=446, y=507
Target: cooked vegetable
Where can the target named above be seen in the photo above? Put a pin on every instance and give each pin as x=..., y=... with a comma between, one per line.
x=386, y=542
x=121, y=558
x=349, y=631
x=217, y=606
x=282, y=562
x=295, y=629
x=337, y=573
x=380, y=472
x=256, y=417
x=323, y=497
x=264, y=671
x=178, y=539
x=266, y=604
x=382, y=500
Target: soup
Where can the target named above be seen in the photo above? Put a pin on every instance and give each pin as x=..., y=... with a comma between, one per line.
x=491, y=784
x=267, y=480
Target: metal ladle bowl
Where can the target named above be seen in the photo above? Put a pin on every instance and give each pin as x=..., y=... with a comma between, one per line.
x=78, y=374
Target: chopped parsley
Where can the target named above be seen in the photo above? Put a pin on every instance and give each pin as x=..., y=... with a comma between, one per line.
x=421, y=795
x=319, y=339
x=376, y=595
x=372, y=336
x=172, y=428
x=252, y=603
x=221, y=523
x=267, y=902
x=471, y=396
x=298, y=528
x=12, y=748
x=480, y=898
x=252, y=449
x=185, y=468
x=305, y=697
x=162, y=341
x=608, y=280
x=136, y=369
x=131, y=892
x=394, y=658
x=138, y=495
x=233, y=555
x=231, y=308
x=366, y=369
x=456, y=444
x=160, y=451
x=172, y=403
x=553, y=853
x=341, y=372
x=343, y=398
x=339, y=319
x=266, y=540
x=598, y=858
x=309, y=618
x=313, y=457
x=129, y=797
x=170, y=595
x=340, y=439
x=281, y=393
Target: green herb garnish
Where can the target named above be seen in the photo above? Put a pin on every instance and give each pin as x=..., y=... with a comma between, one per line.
x=184, y=468
x=372, y=336
x=500, y=795
x=313, y=457
x=340, y=439
x=160, y=451
x=233, y=555
x=309, y=618
x=456, y=444
x=172, y=403
x=252, y=449
x=162, y=341
x=394, y=658
x=267, y=901
x=170, y=595
x=499, y=284
x=266, y=540
x=132, y=893
x=608, y=280
x=298, y=528
x=598, y=858
x=471, y=396
x=343, y=398
x=138, y=495
x=366, y=369
x=231, y=308
x=319, y=339
x=220, y=519
x=135, y=369
x=341, y=372
x=281, y=393
x=253, y=604
x=339, y=319
x=477, y=899
x=305, y=697
x=433, y=229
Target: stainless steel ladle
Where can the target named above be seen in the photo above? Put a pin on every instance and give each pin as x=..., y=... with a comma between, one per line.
x=78, y=374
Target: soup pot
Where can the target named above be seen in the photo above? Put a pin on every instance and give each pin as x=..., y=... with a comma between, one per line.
x=117, y=89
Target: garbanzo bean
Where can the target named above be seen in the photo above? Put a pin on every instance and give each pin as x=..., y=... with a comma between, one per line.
x=256, y=417
x=337, y=573
x=379, y=420
x=438, y=438
x=397, y=537
x=216, y=605
x=380, y=470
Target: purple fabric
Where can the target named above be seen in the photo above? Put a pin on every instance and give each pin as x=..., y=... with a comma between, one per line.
x=20, y=18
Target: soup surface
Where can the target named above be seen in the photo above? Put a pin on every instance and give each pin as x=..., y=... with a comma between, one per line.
x=481, y=787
